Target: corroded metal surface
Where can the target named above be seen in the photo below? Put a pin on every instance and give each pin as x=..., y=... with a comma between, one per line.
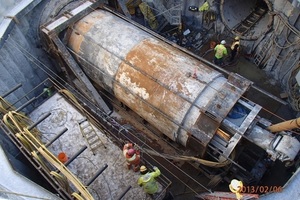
x=78, y=35
x=165, y=86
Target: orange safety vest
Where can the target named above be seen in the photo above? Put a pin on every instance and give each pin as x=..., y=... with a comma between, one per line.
x=134, y=159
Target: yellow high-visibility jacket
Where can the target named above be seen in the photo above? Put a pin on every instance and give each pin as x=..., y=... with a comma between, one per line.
x=204, y=7
x=220, y=50
x=148, y=181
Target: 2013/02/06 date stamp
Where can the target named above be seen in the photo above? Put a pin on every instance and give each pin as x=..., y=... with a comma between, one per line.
x=260, y=189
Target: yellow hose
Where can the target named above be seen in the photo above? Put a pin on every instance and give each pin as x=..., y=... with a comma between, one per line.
x=24, y=142
x=16, y=121
x=62, y=180
x=18, y=124
x=77, y=196
x=5, y=106
x=38, y=158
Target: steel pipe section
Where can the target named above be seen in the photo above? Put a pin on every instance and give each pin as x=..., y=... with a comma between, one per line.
x=151, y=77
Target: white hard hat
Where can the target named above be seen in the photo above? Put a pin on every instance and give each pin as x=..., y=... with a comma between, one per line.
x=223, y=42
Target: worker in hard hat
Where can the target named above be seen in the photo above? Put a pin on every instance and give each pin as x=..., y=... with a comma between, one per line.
x=236, y=187
x=147, y=180
x=132, y=156
x=220, y=52
x=235, y=47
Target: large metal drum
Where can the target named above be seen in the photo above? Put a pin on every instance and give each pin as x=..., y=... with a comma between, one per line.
x=153, y=78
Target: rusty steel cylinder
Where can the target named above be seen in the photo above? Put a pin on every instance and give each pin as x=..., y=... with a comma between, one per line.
x=165, y=86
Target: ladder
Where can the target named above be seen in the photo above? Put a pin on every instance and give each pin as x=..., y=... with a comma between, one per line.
x=176, y=13
x=261, y=54
x=88, y=132
x=173, y=14
x=250, y=21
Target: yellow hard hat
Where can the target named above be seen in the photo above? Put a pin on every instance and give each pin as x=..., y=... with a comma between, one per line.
x=143, y=168
x=236, y=184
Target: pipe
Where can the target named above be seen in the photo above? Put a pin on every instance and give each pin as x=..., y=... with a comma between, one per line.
x=12, y=90
x=97, y=174
x=76, y=155
x=39, y=121
x=26, y=104
x=124, y=192
x=284, y=126
x=73, y=157
x=56, y=137
x=223, y=134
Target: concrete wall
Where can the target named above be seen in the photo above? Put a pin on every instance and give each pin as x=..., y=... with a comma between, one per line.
x=282, y=52
x=285, y=42
x=7, y=5
x=22, y=59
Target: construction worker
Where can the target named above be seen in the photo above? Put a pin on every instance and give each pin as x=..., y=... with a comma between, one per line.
x=236, y=187
x=235, y=47
x=220, y=52
x=132, y=156
x=147, y=180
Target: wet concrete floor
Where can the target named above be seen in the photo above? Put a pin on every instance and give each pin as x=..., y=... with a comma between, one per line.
x=244, y=66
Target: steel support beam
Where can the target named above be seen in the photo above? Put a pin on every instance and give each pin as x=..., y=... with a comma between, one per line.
x=67, y=57
x=12, y=90
x=61, y=22
x=96, y=175
x=122, y=4
x=51, y=31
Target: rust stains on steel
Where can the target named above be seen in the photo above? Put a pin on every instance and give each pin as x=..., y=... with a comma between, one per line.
x=148, y=75
x=154, y=80
x=80, y=29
